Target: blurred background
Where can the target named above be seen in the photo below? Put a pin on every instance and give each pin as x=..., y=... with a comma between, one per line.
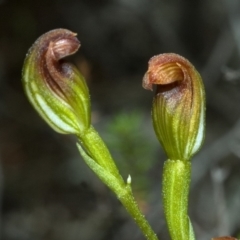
x=46, y=190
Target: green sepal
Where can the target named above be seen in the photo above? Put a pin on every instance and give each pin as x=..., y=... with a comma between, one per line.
x=178, y=111
x=56, y=89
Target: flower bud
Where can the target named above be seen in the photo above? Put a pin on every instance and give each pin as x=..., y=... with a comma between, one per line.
x=178, y=110
x=55, y=88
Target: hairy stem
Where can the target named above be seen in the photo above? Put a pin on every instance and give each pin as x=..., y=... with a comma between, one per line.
x=176, y=181
x=98, y=151
x=131, y=206
x=98, y=158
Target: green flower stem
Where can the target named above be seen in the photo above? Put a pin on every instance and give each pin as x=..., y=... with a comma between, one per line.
x=131, y=206
x=176, y=181
x=98, y=151
x=98, y=158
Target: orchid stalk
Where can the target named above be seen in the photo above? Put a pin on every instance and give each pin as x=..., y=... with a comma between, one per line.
x=178, y=115
x=59, y=93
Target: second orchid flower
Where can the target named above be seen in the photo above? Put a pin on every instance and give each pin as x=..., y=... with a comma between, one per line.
x=178, y=111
